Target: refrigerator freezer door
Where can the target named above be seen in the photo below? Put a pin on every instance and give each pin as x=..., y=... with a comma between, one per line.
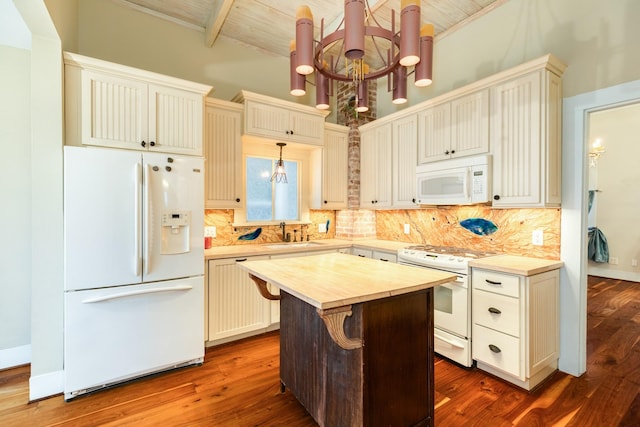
x=116, y=334
x=102, y=217
x=173, y=226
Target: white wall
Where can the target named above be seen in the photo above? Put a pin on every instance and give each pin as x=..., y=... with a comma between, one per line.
x=15, y=175
x=597, y=39
x=31, y=284
x=617, y=206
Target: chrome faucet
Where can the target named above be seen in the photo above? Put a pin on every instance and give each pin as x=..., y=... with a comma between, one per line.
x=282, y=226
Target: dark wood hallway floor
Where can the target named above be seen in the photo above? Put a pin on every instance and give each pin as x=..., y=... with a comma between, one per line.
x=238, y=386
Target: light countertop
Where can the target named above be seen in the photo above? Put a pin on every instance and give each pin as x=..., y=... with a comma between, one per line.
x=524, y=266
x=232, y=251
x=336, y=280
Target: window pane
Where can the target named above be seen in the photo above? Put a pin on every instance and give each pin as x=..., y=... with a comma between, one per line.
x=286, y=195
x=259, y=189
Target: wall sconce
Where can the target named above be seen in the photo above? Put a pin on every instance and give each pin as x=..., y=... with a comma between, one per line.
x=279, y=175
x=597, y=149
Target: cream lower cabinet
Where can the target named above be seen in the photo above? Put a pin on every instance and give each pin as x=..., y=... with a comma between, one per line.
x=223, y=154
x=115, y=106
x=515, y=331
x=236, y=308
x=375, y=254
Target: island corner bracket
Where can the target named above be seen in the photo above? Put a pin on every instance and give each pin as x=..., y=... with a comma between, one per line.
x=263, y=289
x=334, y=320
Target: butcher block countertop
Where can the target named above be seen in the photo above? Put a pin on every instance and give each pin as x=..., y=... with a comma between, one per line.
x=523, y=266
x=336, y=280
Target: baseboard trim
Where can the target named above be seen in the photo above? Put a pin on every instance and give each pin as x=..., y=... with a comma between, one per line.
x=613, y=274
x=45, y=385
x=15, y=356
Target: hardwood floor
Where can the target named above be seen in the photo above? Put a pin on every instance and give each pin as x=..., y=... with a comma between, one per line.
x=238, y=386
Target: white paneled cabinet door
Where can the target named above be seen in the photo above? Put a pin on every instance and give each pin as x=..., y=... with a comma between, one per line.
x=470, y=124
x=236, y=308
x=114, y=110
x=405, y=160
x=223, y=155
x=375, y=167
x=175, y=121
x=516, y=136
x=434, y=133
x=335, y=167
x=281, y=123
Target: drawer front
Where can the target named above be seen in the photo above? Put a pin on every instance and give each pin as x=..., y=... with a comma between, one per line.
x=497, y=312
x=500, y=283
x=496, y=349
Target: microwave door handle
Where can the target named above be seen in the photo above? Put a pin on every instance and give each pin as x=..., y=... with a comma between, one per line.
x=467, y=184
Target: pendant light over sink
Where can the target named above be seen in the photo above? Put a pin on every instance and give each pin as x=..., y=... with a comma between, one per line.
x=279, y=175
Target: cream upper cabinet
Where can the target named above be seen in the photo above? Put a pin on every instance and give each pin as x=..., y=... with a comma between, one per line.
x=279, y=120
x=223, y=154
x=334, y=171
x=405, y=160
x=455, y=128
x=526, y=140
x=375, y=166
x=116, y=106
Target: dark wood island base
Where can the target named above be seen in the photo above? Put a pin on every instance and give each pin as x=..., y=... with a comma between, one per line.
x=388, y=381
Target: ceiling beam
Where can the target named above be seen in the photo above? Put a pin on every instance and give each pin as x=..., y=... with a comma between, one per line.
x=219, y=12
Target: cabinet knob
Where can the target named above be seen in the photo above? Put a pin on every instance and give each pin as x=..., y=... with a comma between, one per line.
x=238, y=200
x=325, y=202
x=413, y=200
x=494, y=310
x=496, y=197
x=144, y=144
x=494, y=348
x=169, y=159
x=446, y=152
x=453, y=151
x=168, y=168
x=152, y=143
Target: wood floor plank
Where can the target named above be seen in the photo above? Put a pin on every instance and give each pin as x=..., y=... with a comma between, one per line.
x=238, y=386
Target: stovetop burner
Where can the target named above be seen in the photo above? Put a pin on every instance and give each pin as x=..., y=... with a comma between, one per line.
x=451, y=250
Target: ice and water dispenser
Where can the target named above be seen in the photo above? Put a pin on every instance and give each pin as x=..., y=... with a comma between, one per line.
x=175, y=232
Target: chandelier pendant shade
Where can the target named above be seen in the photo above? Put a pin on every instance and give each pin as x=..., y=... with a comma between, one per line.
x=342, y=56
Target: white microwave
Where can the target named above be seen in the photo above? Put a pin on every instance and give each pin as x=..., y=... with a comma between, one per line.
x=462, y=181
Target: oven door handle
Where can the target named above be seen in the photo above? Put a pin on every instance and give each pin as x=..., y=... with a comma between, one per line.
x=447, y=341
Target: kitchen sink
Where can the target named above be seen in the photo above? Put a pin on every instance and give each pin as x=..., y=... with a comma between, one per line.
x=292, y=245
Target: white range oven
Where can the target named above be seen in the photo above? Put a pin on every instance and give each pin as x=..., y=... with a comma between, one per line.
x=452, y=301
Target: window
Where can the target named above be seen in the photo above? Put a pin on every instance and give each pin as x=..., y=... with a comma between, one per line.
x=266, y=200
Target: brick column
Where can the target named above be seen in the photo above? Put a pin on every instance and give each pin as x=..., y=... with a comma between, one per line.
x=354, y=223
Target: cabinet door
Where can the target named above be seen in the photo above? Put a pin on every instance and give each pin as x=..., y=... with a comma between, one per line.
x=306, y=128
x=175, y=121
x=335, y=167
x=375, y=167
x=236, y=308
x=434, y=134
x=266, y=120
x=114, y=111
x=515, y=129
x=223, y=157
x=405, y=160
x=470, y=124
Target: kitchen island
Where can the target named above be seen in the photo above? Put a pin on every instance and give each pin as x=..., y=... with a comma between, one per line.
x=356, y=337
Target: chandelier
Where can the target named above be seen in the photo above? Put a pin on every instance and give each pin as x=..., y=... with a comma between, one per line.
x=341, y=55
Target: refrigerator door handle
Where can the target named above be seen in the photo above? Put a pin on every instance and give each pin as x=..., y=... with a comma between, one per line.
x=147, y=219
x=135, y=293
x=137, y=207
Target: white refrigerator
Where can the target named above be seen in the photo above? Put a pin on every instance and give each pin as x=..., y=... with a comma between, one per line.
x=133, y=265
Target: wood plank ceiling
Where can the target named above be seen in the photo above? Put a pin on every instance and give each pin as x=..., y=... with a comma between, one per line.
x=269, y=25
